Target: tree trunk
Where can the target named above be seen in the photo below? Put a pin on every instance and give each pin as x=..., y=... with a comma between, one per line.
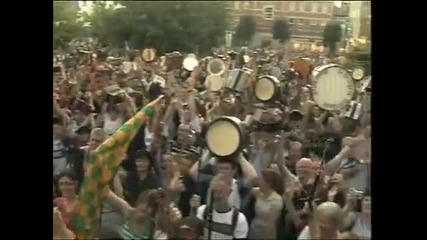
x=332, y=49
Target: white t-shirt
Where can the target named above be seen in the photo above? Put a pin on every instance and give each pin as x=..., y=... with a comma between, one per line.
x=111, y=126
x=148, y=138
x=241, y=230
x=234, y=198
x=361, y=228
x=305, y=234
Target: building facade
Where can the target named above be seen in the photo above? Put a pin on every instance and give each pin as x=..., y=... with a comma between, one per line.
x=360, y=17
x=306, y=19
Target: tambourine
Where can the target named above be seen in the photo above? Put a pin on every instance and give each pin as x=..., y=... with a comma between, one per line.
x=214, y=83
x=149, y=55
x=224, y=136
x=216, y=67
x=267, y=88
x=237, y=79
x=358, y=73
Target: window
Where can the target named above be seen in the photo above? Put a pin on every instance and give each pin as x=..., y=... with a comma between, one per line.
x=323, y=23
x=319, y=8
x=268, y=13
x=301, y=6
x=307, y=7
x=297, y=6
x=292, y=6
x=285, y=6
x=301, y=21
x=326, y=8
x=245, y=5
x=314, y=7
x=313, y=22
x=236, y=4
x=291, y=21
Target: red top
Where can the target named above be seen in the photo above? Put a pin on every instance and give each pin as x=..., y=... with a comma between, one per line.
x=61, y=202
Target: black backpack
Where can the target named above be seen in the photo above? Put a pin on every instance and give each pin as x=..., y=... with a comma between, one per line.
x=234, y=217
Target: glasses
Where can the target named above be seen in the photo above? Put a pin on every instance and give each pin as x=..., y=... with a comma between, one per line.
x=65, y=183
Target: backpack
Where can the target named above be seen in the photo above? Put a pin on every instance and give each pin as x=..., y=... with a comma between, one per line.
x=234, y=217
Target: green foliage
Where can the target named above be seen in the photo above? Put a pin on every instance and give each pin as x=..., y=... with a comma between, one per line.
x=331, y=35
x=266, y=42
x=166, y=26
x=65, y=24
x=281, y=30
x=246, y=29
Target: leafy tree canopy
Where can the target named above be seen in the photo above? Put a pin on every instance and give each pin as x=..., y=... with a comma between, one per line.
x=281, y=30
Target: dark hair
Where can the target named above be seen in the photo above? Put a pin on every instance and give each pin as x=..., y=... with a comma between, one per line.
x=273, y=180
x=229, y=159
x=143, y=154
x=69, y=174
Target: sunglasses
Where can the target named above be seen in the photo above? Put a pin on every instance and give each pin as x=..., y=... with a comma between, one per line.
x=65, y=183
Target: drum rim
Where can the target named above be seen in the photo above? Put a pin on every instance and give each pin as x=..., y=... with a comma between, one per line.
x=275, y=87
x=208, y=69
x=236, y=125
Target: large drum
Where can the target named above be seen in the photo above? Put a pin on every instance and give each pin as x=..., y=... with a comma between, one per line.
x=267, y=88
x=332, y=87
x=237, y=79
x=214, y=83
x=224, y=136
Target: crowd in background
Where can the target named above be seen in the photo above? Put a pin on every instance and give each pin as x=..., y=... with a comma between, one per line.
x=305, y=177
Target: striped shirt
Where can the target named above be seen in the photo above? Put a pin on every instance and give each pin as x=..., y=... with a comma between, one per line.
x=127, y=233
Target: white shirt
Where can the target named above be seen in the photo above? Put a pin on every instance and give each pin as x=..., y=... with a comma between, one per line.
x=360, y=227
x=241, y=230
x=148, y=138
x=234, y=198
x=111, y=126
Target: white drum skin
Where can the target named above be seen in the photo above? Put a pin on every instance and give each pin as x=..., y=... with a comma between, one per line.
x=266, y=88
x=332, y=87
x=224, y=136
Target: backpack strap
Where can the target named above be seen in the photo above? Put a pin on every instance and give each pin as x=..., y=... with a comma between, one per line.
x=235, y=218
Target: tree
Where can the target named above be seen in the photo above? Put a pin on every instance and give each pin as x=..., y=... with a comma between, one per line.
x=185, y=26
x=246, y=29
x=65, y=22
x=281, y=30
x=266, y=42
x=331, y=35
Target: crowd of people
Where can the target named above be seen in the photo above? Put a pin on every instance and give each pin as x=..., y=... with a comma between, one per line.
x=289, y=169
